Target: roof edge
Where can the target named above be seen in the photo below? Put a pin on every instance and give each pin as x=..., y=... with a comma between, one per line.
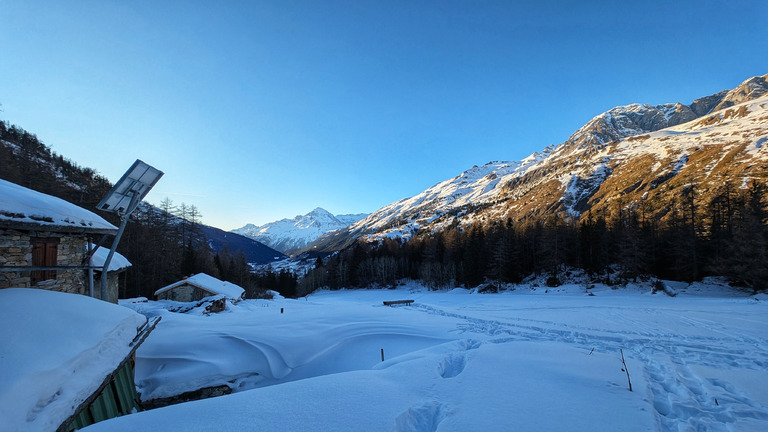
x=64, y=229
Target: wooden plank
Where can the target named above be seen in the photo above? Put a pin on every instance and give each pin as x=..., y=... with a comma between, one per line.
x=395, y=302
x=40, y=268
x=38, y=259
x=43, y=227
x=51, y=259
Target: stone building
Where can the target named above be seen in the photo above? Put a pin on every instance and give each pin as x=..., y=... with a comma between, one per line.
x=115, y=274
x=197, y=287
x=47, y=237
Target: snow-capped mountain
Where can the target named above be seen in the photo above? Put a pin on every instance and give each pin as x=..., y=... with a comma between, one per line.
x=287, y=235
x=638, y=154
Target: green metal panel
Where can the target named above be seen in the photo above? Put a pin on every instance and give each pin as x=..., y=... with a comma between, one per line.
x=125, y=389
x=105, y=406
x=118, y=398
x=81, y=420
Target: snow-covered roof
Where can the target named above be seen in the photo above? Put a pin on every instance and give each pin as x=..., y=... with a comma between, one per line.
x=56, y=351
x=20, y=206
x=208, y=283
x=118, y=262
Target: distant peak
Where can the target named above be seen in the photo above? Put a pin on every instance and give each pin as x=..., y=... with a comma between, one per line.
x=319, y=210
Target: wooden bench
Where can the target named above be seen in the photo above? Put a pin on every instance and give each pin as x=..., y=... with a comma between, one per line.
x=397, y=302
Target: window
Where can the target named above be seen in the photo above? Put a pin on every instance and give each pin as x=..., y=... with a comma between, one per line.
x=44, y=251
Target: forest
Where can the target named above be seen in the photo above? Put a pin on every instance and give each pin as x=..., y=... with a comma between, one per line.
x=686, y=241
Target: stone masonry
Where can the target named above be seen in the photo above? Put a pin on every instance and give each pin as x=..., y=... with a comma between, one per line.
x=16, y=250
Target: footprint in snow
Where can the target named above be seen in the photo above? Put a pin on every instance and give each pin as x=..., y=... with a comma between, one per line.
x=452, y=365
x=420, y=418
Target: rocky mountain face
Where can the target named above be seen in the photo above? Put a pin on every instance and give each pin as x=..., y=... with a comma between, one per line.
x=628, y=157
x=635, y=119
x=290, y=235
x=749, y=90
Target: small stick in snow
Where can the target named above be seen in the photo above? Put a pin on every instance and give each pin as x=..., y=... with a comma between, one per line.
x=625, y=369
x=382, y=354
x=593, y=350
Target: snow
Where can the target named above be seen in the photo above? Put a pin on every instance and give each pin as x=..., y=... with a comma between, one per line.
x=118, y=262
x=20, y=204
x=57, y=349
x=209, y=283
x=475, y=186
x=757, y=146
x=297, y=265
x=297, y=233
x=578, y=188
x=532, y=358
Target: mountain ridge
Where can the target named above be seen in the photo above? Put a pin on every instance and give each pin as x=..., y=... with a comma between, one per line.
x=290, y=235
x=574, y=176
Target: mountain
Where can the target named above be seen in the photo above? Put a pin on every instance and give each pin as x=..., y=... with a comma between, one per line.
x=291, y=235
x=630, y=156
x=255, y=252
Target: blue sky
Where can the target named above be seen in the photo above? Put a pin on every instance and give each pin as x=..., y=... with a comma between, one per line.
x=261, y=110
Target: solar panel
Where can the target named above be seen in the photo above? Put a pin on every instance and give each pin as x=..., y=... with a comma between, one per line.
x=132, y=187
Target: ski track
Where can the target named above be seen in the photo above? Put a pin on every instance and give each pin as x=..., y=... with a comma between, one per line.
x=681, y=399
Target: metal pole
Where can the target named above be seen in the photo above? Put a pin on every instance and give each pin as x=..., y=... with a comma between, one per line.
x=90, y=270
x=123, y=223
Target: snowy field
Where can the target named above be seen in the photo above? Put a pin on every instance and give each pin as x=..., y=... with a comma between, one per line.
x=524, y=360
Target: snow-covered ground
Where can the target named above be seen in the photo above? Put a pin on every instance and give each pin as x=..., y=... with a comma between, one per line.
x=532, y=359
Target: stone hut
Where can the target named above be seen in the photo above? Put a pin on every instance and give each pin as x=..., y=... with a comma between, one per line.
x=197, y=287
x=115, y=273
x=49, y=238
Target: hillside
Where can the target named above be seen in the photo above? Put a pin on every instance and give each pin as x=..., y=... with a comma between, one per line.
x=254, y=251
x=631, y=156
x=21, y=153
x=163, y=244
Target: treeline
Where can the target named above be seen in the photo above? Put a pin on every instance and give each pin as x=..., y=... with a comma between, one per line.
x=165, y=244
x=682, y=241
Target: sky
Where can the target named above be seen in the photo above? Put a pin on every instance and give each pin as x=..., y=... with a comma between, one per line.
x=263, y=110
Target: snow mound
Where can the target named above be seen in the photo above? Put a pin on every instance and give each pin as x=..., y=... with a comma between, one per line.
x=57, y=349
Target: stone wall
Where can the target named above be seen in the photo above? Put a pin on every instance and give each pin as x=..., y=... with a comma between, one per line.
x=72, y=251
x=184, y=293
x=113, y=286
x=16, y=250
